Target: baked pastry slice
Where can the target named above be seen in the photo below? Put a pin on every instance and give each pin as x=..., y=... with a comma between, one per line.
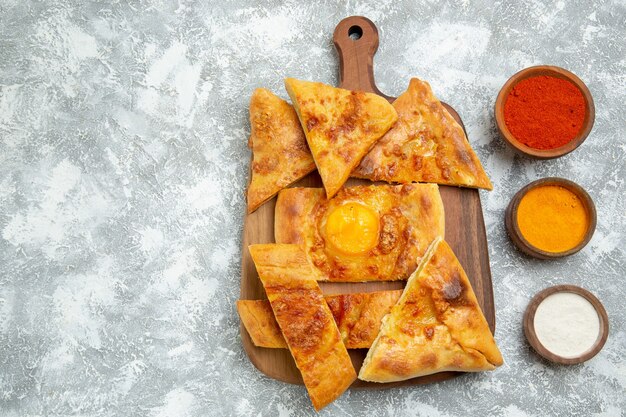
x=280, y=154
x=364, y=233
x=258, y=319
x=437, y=325
x=304, y=320
x=425, y=145
x=340, y=126
x=357, y=316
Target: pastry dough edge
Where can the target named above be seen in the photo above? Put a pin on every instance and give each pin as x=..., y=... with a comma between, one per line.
x=425, y=259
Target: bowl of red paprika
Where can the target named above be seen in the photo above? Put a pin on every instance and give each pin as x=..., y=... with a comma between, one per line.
x=544, y=112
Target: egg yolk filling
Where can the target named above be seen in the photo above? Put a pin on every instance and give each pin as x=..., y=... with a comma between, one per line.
x=352, y=228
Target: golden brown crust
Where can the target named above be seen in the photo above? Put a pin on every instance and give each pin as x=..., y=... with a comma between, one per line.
x=292, y=207
x=456, y=305
x=358, y=318
x=426, y=145
x=258, y=319
x=410, y=217
x=280, y=155
x=340, y=126
x=305, y=320
x=437, y=325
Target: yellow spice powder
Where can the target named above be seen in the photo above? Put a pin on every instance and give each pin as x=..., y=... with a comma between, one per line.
x=552, y=218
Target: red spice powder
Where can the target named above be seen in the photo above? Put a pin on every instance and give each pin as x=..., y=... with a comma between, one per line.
x=544, y=112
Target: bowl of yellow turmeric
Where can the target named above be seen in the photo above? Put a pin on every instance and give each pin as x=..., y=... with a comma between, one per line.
x=551, y=218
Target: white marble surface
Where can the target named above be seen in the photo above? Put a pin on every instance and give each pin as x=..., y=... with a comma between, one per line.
x=123, y=162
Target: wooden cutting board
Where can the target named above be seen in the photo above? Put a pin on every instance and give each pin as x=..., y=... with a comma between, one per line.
x=465, y=228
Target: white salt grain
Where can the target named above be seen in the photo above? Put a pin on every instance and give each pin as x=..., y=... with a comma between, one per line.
x=566, y=324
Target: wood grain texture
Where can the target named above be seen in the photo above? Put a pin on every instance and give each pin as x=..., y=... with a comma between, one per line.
x=465, y=228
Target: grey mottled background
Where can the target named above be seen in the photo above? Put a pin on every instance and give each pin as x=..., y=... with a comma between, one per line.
x=123, y=161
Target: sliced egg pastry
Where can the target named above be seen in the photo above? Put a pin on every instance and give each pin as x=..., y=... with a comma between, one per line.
x=364, y=233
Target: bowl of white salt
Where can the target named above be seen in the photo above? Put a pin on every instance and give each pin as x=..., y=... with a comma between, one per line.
x=566, y=324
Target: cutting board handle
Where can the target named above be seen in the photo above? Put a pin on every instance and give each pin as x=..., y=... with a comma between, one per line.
x=356, y=40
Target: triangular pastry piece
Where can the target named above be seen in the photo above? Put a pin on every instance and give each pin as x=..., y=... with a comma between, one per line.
x=280, y=155
x=425, y=145
x=340, y=126
x=305, y=320
x=436, y=326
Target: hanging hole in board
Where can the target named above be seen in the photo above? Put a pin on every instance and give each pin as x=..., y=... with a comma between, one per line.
x=355, y=33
